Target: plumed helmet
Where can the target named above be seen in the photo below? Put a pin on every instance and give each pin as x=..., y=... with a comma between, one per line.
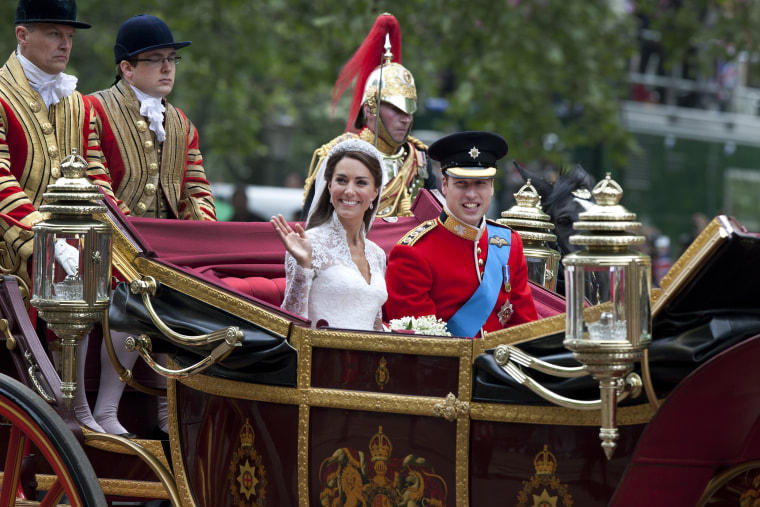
x=374, y=70
x=61, y=12
x=396, y=86
x=143, y=33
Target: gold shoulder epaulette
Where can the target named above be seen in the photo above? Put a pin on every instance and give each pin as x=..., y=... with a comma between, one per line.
x=419, y=144
x=323, y=150
x=411, y=237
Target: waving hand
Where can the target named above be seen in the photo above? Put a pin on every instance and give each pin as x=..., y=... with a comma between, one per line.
x=295, y=240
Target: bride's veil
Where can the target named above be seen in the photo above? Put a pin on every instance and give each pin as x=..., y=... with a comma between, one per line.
x=348, y=145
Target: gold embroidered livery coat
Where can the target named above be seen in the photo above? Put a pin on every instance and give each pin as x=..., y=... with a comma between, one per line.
x=145, y=172
x=33, y=142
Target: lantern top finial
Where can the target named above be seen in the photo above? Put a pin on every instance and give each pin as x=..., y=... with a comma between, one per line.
x=73, y=194
x=74, y=165
x=527, y=197
x=527, y=217
x=607, y=192
x=606, y=223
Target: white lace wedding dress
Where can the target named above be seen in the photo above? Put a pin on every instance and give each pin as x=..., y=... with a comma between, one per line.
x=333, y=289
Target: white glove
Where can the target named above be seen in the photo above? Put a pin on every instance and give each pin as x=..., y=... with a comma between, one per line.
x=67, y=256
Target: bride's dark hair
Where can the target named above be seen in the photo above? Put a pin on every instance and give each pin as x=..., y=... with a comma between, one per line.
x=325, y=208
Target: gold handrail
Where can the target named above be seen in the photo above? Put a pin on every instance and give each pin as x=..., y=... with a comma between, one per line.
x=147, y=288
x=124, y=374
x=143, y=346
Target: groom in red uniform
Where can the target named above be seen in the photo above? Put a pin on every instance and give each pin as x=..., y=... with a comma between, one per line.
x=460, y=267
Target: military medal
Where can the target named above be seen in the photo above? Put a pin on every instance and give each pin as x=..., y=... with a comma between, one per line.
x=506, y=310
x=505, y=313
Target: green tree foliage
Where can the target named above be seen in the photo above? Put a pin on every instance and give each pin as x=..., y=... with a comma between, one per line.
x=522, y=68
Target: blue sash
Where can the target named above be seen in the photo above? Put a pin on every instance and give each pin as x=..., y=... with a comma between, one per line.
x=468, y=320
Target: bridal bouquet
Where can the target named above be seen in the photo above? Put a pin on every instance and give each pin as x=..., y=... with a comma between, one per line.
x=428, y=325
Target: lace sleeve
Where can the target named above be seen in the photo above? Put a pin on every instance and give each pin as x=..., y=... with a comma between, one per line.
x=297, y=287
x=379, y=320
x=378, y=264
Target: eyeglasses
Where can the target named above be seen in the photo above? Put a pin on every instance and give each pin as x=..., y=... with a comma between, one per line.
x=158, y=60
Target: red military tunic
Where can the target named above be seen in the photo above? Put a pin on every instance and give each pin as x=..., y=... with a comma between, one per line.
x=149, y=176
x=437, y=267
x=34, y=140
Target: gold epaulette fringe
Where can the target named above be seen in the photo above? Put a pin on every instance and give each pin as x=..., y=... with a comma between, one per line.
x=411, y=237
x=419, y=144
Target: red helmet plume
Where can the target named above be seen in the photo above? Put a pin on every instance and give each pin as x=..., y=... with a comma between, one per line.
x=367, y=58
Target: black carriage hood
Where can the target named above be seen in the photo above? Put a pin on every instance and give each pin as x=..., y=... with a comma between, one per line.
x=709, y=305
x=264, y=357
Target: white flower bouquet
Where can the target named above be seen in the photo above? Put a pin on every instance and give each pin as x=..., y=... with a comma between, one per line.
x=428, y=325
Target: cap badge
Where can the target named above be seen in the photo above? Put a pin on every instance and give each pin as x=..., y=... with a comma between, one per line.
x=474, y=152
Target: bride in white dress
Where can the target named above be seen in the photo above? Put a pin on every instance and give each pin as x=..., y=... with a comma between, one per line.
x=333, y=272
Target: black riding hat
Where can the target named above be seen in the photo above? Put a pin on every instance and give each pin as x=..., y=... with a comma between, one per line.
x=143, y=33
x=60, y=12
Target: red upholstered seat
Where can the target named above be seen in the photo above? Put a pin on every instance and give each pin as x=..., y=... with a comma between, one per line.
x=270, y=290
x=547, y=303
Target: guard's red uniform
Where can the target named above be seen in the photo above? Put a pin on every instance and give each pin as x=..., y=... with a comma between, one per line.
x=437, y=267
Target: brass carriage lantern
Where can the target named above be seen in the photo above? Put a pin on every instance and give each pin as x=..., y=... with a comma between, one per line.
x=72, y=264
x=608, y=339
x=534, y=226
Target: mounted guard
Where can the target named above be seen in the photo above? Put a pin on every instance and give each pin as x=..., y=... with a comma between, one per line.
x=381, y=113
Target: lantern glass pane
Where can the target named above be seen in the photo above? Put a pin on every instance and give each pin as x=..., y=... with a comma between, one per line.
x=608, y=285
x=537, y=270
x=645, y=310
x=68, y=282
x=103, y=266
x=575, y=296
x=45, y=267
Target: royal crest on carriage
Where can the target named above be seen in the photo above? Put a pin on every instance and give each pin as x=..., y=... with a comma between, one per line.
x=544, y=488
x=246, y=474
x=347, y=478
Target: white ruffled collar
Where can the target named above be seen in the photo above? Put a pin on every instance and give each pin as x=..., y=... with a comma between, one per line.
x=152, y=108
x=51, y=87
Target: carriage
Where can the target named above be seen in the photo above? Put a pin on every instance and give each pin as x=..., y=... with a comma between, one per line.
x=265, y=409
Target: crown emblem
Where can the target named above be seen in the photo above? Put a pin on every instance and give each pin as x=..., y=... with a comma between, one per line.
x=246, y=435
x=607, y=192
x=380, y=447
x=545, y=462
x=474, y=152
